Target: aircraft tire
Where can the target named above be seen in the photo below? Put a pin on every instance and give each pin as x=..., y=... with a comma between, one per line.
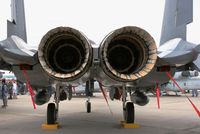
x=130, y=112
x=51, y=113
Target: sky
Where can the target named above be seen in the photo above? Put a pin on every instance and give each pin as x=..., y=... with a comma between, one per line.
x=95, y=18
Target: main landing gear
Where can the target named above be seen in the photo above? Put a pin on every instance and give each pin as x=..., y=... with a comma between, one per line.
x=128, y=109
x=128, y=112
x=52, y=112
x=52, y=108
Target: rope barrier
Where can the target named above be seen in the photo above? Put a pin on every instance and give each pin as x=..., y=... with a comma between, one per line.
x=193, y=105
x=29, y=86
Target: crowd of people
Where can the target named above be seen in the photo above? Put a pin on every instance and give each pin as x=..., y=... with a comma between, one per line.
x=9, y=89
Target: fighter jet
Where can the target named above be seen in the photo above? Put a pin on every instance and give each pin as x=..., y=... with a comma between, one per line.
x=188, y=80
x=126, y=59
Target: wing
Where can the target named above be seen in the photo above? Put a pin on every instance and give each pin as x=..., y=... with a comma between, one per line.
x=14, y=51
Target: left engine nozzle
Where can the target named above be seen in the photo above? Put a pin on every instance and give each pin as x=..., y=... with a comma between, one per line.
x=65, y=53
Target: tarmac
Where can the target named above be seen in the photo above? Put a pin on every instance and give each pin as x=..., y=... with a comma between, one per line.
x=176, y=116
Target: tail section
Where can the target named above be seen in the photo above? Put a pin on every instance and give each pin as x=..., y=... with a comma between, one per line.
x=177, y=14
x=17, y=25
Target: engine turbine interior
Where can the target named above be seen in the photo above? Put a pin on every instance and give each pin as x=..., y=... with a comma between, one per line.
x=128, y=54
x=65, y=53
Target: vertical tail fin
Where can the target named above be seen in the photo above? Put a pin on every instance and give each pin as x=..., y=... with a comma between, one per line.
x=177, y=14
x=17, y=26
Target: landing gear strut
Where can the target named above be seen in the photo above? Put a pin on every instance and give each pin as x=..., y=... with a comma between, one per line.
x=89, y=92
x=128, y=108
x=52, y=109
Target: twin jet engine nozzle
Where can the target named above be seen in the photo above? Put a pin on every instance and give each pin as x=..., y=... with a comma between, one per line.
x=126, y=54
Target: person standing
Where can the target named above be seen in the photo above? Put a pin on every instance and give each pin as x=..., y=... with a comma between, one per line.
x=195, y=93
x=4, y=93
x=10, y=89
x=14, y=90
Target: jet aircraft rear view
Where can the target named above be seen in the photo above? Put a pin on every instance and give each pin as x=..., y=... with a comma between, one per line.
x=127, y=59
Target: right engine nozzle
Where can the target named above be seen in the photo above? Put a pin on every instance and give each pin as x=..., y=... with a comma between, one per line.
x=128, y=54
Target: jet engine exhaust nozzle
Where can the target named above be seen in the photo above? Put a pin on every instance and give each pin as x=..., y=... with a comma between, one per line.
x=128, y=53
x=65, y=53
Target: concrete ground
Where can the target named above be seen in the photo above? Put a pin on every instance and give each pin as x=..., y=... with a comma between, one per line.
x=176, y=116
